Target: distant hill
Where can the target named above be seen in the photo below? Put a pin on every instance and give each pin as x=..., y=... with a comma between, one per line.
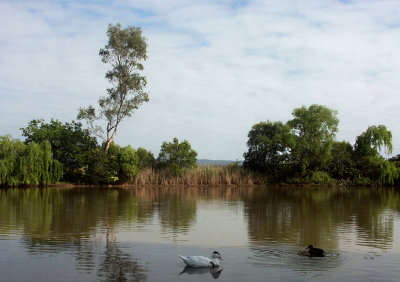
x=216, y=162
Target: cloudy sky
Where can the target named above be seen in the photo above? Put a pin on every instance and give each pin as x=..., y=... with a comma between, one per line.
x=215, y=67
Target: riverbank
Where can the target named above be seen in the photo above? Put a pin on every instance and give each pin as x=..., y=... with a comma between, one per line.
x=207, y=176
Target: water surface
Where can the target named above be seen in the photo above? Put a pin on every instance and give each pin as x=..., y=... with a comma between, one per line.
x=136, y=234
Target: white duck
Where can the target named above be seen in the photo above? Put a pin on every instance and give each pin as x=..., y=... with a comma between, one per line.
x=200, y=261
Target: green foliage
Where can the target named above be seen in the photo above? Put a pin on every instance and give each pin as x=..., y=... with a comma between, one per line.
x=177, y=157
x=296, y=149
x=70, y=144
x=396, y=162
x=370, y=142
x=269, y=147
x=146, y=158
x=342, y=165
x=369, y=162
x=305, y=150
x=124, y=52
x=30, y=164
x=117, y=167
x=315, y=128
x=128, y=163
x=320, y=177
x=388, y=172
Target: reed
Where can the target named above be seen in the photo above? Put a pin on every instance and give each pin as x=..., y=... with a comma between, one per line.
x=199, y=176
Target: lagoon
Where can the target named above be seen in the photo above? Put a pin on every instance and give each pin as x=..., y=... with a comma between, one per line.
x=136, y=234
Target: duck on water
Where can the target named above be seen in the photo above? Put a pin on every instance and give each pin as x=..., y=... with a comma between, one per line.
x=315, y=252
x=200, y=261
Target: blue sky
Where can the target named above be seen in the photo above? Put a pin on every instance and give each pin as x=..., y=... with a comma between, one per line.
x=215, y=68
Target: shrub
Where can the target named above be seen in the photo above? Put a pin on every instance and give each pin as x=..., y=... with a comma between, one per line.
x=146, y=158
x=320, y=177
x=117, y=167
x=176, y=157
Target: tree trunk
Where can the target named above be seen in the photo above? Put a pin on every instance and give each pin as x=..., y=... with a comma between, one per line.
x=109, y=140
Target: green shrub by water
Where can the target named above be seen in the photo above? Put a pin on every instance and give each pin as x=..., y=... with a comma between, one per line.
x=30, y=164
x=320, y=177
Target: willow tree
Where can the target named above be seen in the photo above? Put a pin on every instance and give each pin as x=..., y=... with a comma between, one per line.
x=373, y=140
x=27, y=164
x=370, y=163
x=125, y=52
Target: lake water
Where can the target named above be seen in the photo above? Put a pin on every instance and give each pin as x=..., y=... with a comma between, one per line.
x=136, y=234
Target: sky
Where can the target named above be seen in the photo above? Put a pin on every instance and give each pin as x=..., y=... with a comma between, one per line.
x=214, y=68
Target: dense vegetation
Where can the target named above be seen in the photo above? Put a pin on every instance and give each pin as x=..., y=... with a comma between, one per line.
x=71, y=145
x=304, y=150
x=30, y=164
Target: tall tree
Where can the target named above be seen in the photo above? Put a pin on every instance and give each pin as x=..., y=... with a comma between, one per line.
x=269, y=146
x=125, y=52
x=315, y=128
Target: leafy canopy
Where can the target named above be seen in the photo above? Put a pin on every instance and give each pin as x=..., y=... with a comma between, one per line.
x=70, y=143
x=176, y=156
x=269, y=146
x=125, y=51
x=27, y=164
x=315, y=128
x=146, y=158
x=117, y=167
x=370, y=142
x=369, y=162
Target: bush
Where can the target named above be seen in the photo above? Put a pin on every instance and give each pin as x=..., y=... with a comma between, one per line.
x=128, y=162
x=320, y=177
x=146, y=158
x=176, y=157
x=117, y=167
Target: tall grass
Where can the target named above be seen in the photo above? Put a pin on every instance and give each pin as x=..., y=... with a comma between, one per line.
x=202, y=175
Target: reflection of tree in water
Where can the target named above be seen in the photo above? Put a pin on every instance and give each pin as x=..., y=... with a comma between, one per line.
x=287, y=216
x=374, y=218
x=117, y=265
x=55, y=220
x=72, y=212
x=303, y=216
x=177, y=214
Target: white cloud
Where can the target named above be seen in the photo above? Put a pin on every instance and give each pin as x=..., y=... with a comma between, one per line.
x=213, y=70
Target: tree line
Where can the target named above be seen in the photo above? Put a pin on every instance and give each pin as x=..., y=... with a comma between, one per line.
x=303, y=150
x=68, y=152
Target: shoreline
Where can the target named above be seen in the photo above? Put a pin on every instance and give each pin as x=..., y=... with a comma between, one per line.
x=127, y=186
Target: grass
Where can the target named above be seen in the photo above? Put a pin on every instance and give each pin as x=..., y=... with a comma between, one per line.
x=200, y=176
